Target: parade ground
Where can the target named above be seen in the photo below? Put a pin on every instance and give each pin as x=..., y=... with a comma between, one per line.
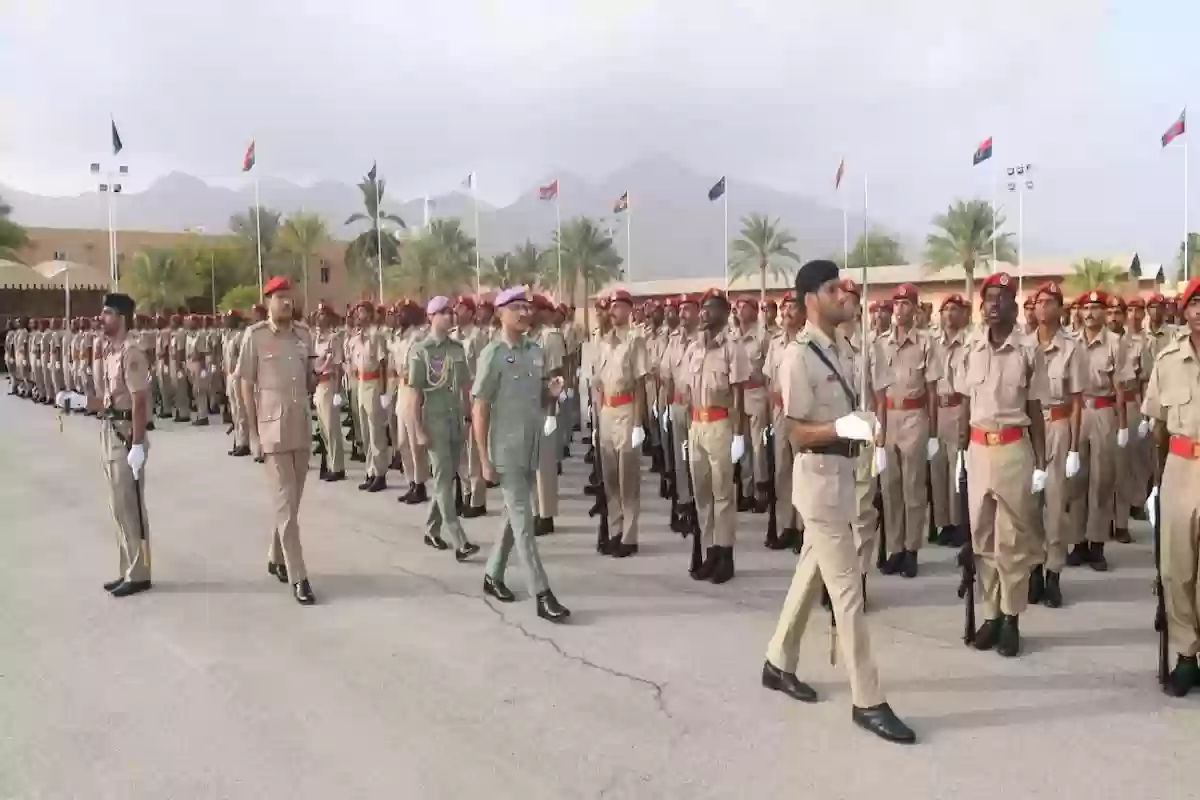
x=404, y=682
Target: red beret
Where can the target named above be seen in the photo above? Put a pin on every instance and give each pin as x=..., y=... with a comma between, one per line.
x=770, y=301
x=998, y=279
x=1136, y=302
x=1095, y=297
x=953, y=299
x=1116, y=301
x=851, y=287
x=1050, y=288
x=714, y=293
x=466, y=300
x=540, y=301
x=671, y=302
x=1155, y=299
x=688, y=298
x=276, y=284
x=905, y=291
x=620, y=296
x=745, y=300
x=1028, y=302
x=234, y=314
x=367, y=304
x=602, y=303
x=176, y=319
x=1189, y=292
x=788, y=297
x=874, y=306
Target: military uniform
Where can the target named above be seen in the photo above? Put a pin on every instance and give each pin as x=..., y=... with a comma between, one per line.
x=673, y=369
x=177, y=363
x=328, y=353
x=787, y=519
x=951, y=353
x=197, y=354
x=757, y=408
x=473, y=339
x=164, y=377
x=1132, y=480
x=21, y=359
x=554, y=355
x=368, y=360
x=412, y=452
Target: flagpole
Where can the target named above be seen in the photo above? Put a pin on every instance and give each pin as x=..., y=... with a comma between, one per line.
x=258, y=235
x=1186, y=237
x=378, y=233
x=113, y=225
x=845, y=232
x=725, y=256
x=628, y=238
x=862, y=377
x=112, y=239
x=558, y=240
x=475, y=214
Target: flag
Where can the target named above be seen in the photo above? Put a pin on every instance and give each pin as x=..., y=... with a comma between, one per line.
x=1178, y=128
x=549, y=191
x=983, y=152
x=717, y=190
x=1135, y=267
x=248, y=159
x=469, y=181
x=837, y=179
x=116, y=139
x=374, y=172
x=622, y=204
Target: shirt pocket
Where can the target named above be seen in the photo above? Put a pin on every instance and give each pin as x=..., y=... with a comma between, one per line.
x=1057, y=375
x=822, y=490
x=270, y=406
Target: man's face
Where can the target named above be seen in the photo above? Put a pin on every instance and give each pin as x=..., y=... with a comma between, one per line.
x=1191, y=315
x=464, y=314
x=363, y=316
x=883, y=318
x=1138, y=317
x=829, y=301
x=279, y=305
x=999, y=306
x=1030, y=317
x=689, y=315
x=747, y=315
x=441, y=323
x=483, y=316
x=905, y=311
x=517, y=315
x=1116, y=319
x=770, y=313
x=853, y=305
x=656, y=317
x=1095, y=316
x=672, y=317
x=111, y=322
x=620, y=313
x=715, y=315
x=1047, y=309
x=790, y=316
x=1155, y=314
x=954, y=316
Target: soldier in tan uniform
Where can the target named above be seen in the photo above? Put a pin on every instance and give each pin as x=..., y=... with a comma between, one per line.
x=1173, y=402
x=98, y=342
x=905, y=372
x=231, y=347
x=197, y=357
x=815, y=379
x=163, y=381
x=788, y=521
x=554, y=355
x=1062, y=411
x=621, y=368
x=473, y=338
x=716, y=368
x=1159, y=332
x=1132, y=479
x=368, y=370
x=651, y=325
x=754, y=472
x=951, y=352
x=276, y=374
x=177, y=367
x=20, y=362
x=328, y=354
x=672, y=371
x=1103, y=433
x=412, y=452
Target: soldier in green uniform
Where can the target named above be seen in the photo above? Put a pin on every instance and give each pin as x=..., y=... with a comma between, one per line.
x=513, y=407
x=439, y=379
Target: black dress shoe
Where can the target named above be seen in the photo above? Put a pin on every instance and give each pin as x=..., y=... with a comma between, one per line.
x=723, y=571
x=1009, y=642
x=1096, y=559
x=894, y=563
x=362, y=487
x=497, y=589
x=883, y=722
x=108, y=587
x=199, y=423
x=707, y=566
x=1053, y=594
x=412, y=489
x=777, y=680
x=279, y=571
x=549, y=608
x=127, y=588
x=624, y=550
x=491, y=484
x=1122, y=536
x=1079, y=555
x=539, y=527
x=465, y=552
x=240, y=452
x=909, y=568
x=260, y=459
x=334, y=477
x=1182, y=679
x=436, y=542
x=150, y=425
x=378, y=484
x=988, y=634
x=1138, y=513
x=548, y=524
x=1037, y=585
x=945, y=536
x=471, y=512
x=358, y=457
x=304, y=593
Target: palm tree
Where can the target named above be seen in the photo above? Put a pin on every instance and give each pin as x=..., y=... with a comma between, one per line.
x=589, y=262
x=1094, y=273
x=879, y=249
x=363, y=253
x=439, y=260
x=240, y=298
x=12, y=235
x=764, y=245
x=161, y=280
x=302, y=235
x=522, y=267
x=249, y=227
x=965, y=238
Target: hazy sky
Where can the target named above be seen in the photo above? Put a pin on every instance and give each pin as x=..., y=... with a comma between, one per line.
x=774, y=92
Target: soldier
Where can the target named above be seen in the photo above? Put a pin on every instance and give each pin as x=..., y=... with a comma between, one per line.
x=440, y=379
x=276, y=376
x=328, y=353
x=216, y=369
x=196, y=353
x=716, y=367
x=621, y=368
x=1004, y=440
x=905, y=372
x=951, y=351
x=770, y=318
x=682, y=318
x=1132, y=479
x=789, y=523
x=177, y=363
x=57, y=380
x=754, y=472
x=99, y=340
x=164, y=380
x=351, y=380
x=20, y=344
x=1103, y=432
x=827, y=433
x=512, y=402
x=473, y=339
x=412, y=452
x=368, y=365
x=554, y=355
x=1173, y=402
x=881, y=319
x=1030, y=323
x=231, y=347
x=1159, y=332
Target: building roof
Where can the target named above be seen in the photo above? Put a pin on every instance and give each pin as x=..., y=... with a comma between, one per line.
x=81, y=276
x=19, y=276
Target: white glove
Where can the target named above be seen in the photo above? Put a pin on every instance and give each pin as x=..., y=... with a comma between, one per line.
x=338, y=401
x=385, y=400
x=203, y=374
x=1122, y=437
x=569, y=393
x=1072, y=465
x=549, y=426
x=136, y=459
x=855, y=426
x=87, y=371
x=62, y=400
x=58, y=365
x=1039, y=480
x=1143, y=428
x=1152, y=506
x=931, y=449
x=738, y=448
x=638, y=437
x=78, y=401
x=960, y=469
x=179, y=373
x=880, y=460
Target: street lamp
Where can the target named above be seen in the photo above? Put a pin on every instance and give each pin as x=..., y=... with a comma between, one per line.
x=1019, y=182
x=110, y=188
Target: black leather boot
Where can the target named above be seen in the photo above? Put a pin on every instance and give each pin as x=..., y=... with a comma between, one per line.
x=909, y=566
x=304, y=593
x=988, y=634
x=1184, y=678
x=883, y=722
x=1053, y=594
x=894, y=563
x=1096, y=559
x=1079, y=555
x=498, y=590
x=707, y=566
x=548, y=608
x=723, y=571
x=279, y=571
x=1037, y=585
x=1009, y=642
x=777, y=680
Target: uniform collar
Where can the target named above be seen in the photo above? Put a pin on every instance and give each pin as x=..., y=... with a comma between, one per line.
x=817, y=335
x=1012, y=341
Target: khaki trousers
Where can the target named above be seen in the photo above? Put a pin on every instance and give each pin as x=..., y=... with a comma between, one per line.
x=905, y=503
x=124, y=498
x=865, y=522
x=824, y=498
x=179, y=390
x=546, y=478
x=1180, y=523
x=785, y=509
x=412, y=455
x=200, y=390
x=470, y=473
x=1053, y=523
x=946, y=509
x=1131, y=478
x=712, y=475
x=1092, y=492
x=681, y=422
x=622, y=471
x=286, y=472
x=165, y=391
x=329, y=424
x=371, y=429
x=1004, y=535
x=755, y=469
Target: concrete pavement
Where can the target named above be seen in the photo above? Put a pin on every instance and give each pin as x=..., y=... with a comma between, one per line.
x=404, y=682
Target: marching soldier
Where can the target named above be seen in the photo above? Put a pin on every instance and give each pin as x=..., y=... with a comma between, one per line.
x=231, y=351
x=368, y=364
x=327, y=398
x=620, y=378
x=1030, y=322
x=755, y=477
x=870, y=460
x=276, y=376
x=412, y=452
x=177, y=362
x=1132, y=480
x=57, y=378
x=827, y=432
x=685, y=312
x=473, y=339
x=1006, y=460
x=951, y=351
x=511, y=402
x=905, y=374
x=716, y=367
x=196, y=353
x=99, y=341
x=20, y=344
x=1159, y=332
x=440, y=379
x=163, y=376
x=1173, y=402
x=554, y=355
x=788, y=520
x=1103, y=433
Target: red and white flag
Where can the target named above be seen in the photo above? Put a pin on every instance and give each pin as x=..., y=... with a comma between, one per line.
x=549, y=191
x=1179, y=128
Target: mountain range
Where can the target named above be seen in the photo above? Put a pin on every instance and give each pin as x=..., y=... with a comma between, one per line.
x=675, y=230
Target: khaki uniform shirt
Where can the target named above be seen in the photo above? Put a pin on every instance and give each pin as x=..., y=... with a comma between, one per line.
x=276, y=362
x=903, y=364
x=162, y=346
x=1140, y=357
x=771, y=368
x=21, y=346
x=755, y=346
x=621, y=362
x=329, y=353
x=473, y=339
x=1062, y=358
x=178, y=349
x=1159, y=339
x=126, y=371
x=231, y=349
x=1106, y=363
x=510, y=380
x=1173, y=391
x=673, y=366
x=196, y=348
x=952, y=356
x=367, y=352
x=713, y=369
x=1000, y=381
x=399, y=351
x=554, y=350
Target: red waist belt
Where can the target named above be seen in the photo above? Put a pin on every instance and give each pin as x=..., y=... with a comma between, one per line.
x=1099, y=402
x=369, y=376
x=710, y=414
x=618, y=400
x=677, y=399
x=1058, y=413
x=950, y=400
x=994, y=438
x=907, y=404
x=323, y=378
x=748, y=385
x=1184, y=447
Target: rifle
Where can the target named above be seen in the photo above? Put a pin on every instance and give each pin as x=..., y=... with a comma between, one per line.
x=1160, y=613
x=664, y=480
x=594, y=476
x=769, y=443
x=601, y=506
x=881, y=557
x=669, y=468
x=966, y=560
x=691, y=521
x=931, y=532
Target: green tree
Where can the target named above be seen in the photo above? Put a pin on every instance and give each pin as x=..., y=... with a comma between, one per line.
x=438, y=260
x=964, y=238
x=161, y=280
x=1188, y=271
x=522, y=267
x=879, y=249
x=240, y=298
x=362, y=254
x=12, y=235
x=589, y=262
x=1094, y=273
x=302, y=236
x=764, y=245
x=247, y=228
